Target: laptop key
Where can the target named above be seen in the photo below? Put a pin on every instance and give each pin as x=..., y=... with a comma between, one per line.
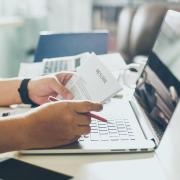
x=113, y=135
x=112, y=131
x=114, y=139
x=104, y=138
x=86, y=136
x=81, y=138
x=103, y=133
x=94, y=137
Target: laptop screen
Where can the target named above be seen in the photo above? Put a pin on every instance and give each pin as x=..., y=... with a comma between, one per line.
x=158, y=88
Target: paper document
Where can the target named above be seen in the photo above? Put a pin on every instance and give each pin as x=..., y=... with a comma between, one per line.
x=68, y=63
x=30, y=70
x=112, y=61
x=93, y=81
x=52, y=65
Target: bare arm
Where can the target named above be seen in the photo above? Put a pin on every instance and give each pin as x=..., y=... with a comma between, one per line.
x=50, y=125
x=12, y=134
x=9, y=92
x=39, y=89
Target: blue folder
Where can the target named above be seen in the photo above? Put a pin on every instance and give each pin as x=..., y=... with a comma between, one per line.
x=69, y=44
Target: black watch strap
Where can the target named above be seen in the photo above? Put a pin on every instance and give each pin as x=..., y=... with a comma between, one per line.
x=23, y=92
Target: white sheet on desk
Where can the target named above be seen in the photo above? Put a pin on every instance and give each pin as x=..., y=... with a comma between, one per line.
x=13, y=111
x=113, y=61
x=31, y=70
x=134, y=169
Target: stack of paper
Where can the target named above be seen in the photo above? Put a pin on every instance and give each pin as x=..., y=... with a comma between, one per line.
x=93, y=81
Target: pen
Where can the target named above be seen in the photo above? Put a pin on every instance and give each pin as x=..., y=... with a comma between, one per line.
x=51, y=98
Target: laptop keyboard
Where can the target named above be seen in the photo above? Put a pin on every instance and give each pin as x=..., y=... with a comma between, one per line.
x=115, y=130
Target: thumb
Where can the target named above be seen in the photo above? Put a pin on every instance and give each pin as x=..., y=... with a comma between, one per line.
x=61, y=90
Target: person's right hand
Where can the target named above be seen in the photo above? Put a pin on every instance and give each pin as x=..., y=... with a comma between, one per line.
x=57, y=123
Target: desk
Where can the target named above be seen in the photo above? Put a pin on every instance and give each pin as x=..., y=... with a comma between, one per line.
x=88, y=166
x=107, y=165
x=72, y=164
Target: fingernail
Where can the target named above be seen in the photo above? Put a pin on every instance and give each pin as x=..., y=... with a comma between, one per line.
x=101, y=106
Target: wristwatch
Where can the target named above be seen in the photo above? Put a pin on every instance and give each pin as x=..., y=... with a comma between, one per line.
x=24, y=94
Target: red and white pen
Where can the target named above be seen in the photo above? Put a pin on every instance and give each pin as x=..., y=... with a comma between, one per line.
x=51, y=98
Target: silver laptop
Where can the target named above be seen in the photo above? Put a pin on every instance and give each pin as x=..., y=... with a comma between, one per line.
x=138, y=125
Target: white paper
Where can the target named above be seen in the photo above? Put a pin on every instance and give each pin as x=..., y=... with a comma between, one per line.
x=113, y=61
x=93, y=81
x=30, y=70
x=52, y=65
x=68, y=63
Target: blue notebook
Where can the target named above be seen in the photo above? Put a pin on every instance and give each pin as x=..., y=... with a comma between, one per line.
x=69, y=44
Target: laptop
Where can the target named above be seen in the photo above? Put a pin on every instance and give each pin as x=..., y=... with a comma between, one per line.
x=163, y=165
x=137, y=125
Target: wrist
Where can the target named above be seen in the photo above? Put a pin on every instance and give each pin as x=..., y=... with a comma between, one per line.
x=13, y=134
x=24, y=139
x=21, y=135
x=30, y=132
x=24, y=91
x=16, y=98
x=30, y=87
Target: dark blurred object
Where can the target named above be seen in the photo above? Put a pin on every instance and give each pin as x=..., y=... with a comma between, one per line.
x=138, y=28
x=13, y=169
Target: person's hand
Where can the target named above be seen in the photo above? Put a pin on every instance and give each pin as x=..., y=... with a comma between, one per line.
x=41, y=88
x=57, y=123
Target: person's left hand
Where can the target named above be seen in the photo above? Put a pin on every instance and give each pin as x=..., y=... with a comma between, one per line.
x=41, y=88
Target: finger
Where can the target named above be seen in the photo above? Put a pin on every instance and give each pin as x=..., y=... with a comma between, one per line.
x=65, y=73
x=67, y=78
x=83, y=120
x=61, y=90
x=83, y=130
x=75, y=138
x=86, y=106
x=69, y=141
x=64, y=77
x=61, y=77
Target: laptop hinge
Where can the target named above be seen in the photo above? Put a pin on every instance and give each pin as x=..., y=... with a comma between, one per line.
x=142, y=122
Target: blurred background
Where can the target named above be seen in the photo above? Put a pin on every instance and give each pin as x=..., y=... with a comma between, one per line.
x=130, y=23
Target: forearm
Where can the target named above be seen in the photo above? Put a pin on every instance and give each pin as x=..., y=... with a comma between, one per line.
x=13, y=134
x=9, y=92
